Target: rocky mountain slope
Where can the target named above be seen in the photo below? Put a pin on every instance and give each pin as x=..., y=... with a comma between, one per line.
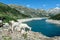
x=37, y=12
x=56, y=17
x=30, y=11
x=54, y=11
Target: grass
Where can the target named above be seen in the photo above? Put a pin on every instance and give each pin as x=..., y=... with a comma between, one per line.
x=8, y=18
x=25, y=35
x=6, y=38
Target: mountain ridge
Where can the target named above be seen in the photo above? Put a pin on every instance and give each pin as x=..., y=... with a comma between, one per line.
x=13, y=12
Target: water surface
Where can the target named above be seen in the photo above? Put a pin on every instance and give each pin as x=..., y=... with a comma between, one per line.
x=45, y=28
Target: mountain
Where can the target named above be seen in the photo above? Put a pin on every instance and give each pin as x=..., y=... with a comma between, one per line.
x=30, y=11
x=54, y=11
x=56, y=17
x=13, y=12
x=10, y=13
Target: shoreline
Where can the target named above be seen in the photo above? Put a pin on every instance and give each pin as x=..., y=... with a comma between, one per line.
x=53, y=21
x=28, y=19
x=31, y=34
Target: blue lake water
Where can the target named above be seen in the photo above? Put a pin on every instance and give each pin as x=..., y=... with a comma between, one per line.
x=45, y=28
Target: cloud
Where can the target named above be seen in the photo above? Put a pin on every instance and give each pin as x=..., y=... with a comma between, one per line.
x=58, y=5
x=57, y=8
x=44, y=5
x=28, y=5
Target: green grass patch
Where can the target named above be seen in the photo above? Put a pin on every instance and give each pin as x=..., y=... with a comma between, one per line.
x=6, y=38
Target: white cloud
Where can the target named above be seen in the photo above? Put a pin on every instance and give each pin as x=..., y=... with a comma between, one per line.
x=58, y=5
x=44, y=5
x=28, y=5
x=57, y=8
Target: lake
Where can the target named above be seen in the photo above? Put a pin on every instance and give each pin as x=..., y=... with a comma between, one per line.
x=45, y=28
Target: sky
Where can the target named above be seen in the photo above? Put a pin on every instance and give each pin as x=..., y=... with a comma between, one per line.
x=37, y=4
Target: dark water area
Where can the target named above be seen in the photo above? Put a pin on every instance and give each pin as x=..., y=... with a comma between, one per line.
x=45, y=28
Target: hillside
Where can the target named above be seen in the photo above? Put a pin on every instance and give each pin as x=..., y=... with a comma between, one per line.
x=13, y=12
x=54, y=11
x=56, y=17
x=10, y=13
x=30, y=11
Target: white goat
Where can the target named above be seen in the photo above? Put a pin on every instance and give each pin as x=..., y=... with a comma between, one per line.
x=13, y=25
x=22, y=28
x=19, y=26
x=23, y=25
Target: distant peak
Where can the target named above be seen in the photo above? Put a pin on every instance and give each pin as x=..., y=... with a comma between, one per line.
x=57, y=8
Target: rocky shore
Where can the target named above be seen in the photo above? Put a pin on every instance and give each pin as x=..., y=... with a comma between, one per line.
x=53, y=21
x=4, y=35
x=29, y=19
x=17, y=31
